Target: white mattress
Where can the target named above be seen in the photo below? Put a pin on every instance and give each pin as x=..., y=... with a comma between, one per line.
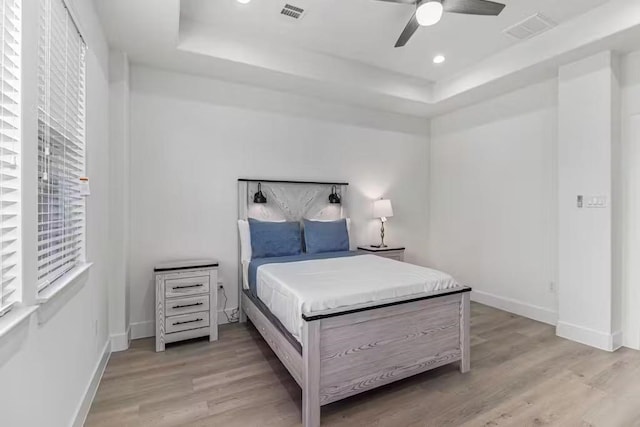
x=323, y=286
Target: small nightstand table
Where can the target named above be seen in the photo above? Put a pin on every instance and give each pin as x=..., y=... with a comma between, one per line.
x=391, y=252
x=186, y=301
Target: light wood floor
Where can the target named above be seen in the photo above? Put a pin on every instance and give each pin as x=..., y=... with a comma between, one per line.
x=521, y=375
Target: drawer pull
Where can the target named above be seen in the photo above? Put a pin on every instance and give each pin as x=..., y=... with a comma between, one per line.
x=187, y=321
x=187, y=305
x=188, y=286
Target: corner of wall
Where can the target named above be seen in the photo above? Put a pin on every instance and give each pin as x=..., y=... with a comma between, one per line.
x=119, y=150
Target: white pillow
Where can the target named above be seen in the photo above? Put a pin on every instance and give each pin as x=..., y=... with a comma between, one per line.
x=245, y=240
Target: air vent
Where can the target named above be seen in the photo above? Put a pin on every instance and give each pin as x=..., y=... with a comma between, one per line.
x=530, y=27
x=292, y=11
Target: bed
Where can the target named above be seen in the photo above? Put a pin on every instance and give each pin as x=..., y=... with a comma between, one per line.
x=343, y=323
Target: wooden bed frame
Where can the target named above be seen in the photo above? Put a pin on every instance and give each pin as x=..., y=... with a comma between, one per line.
x=347, y=353
x=356, y=350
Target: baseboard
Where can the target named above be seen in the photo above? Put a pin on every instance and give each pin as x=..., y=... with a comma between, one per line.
x=90, y=392
x=143, y=329
x=120, y=342
x=147, y=328
x=520, y=308
x=617, y=340
x=590, y=337
x=630, y=340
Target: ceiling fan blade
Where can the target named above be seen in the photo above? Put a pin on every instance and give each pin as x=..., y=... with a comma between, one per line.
x=473, y=7
x=408, y=31
x=400, y=1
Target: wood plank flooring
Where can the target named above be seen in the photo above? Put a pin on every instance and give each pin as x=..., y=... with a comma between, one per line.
x=521, y=375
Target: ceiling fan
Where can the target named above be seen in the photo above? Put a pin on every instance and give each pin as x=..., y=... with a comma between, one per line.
x=429, y=12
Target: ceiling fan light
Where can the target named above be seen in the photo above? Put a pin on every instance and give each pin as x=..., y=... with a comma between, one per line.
x=429, y=12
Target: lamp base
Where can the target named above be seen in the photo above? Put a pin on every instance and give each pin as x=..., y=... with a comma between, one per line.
x=381, y=245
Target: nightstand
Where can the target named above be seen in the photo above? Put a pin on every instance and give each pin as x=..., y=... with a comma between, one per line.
x=186, y=301
x=391, y=252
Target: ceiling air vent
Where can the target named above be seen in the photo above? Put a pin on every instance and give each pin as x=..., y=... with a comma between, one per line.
x=530, y=27
x=291, y=11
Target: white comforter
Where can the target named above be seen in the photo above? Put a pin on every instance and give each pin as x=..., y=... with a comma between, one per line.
x=329, y=285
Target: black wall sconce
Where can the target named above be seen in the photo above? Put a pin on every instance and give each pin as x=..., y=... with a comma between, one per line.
x=334, y=198
x=259, y=197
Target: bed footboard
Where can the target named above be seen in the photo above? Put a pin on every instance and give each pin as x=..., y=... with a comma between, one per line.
x=352, y=353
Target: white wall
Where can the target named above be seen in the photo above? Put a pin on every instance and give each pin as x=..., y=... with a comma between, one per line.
x=493, y=188
x=493, y=199
x=191, y=138
x=587, y=128
x=630, y=298
x=119, y=148
x=44, y=378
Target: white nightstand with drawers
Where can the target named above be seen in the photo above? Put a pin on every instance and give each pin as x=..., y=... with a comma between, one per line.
x=186, y=301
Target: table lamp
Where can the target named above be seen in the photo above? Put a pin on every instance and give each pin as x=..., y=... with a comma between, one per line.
x=382, y=209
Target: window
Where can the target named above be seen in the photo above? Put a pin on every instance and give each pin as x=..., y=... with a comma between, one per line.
x=61, y=143
x=9, y=152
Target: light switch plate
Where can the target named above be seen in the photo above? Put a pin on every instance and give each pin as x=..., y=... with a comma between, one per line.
x=595, y=202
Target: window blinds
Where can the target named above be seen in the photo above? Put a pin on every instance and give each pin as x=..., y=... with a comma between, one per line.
x=9, y=151
x=61, y=143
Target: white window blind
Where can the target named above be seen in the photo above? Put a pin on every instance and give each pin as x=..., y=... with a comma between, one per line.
x=61, y=143
x=9, y=152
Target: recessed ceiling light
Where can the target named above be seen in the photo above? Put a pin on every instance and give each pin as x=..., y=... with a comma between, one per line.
x=243, y=1
x=438, y=59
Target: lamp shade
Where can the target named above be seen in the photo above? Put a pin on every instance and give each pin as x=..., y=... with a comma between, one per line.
x=382, y=208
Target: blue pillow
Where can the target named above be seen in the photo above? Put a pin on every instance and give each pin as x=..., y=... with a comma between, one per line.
x=326, y=236
x=269, y=239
